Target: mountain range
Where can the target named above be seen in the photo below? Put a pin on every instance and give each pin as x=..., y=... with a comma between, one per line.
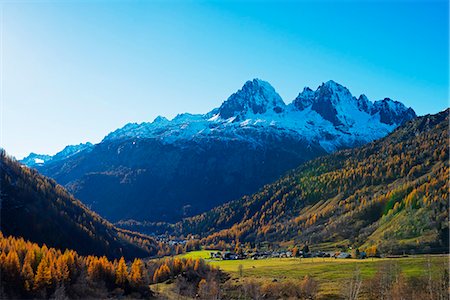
x=169, y=169
x=390, y=195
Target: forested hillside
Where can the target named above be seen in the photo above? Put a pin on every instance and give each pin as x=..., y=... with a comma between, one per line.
x=29, y=270
x=390, y=195
x=37, y=208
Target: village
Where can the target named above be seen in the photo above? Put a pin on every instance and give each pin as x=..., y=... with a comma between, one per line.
x=230, y=255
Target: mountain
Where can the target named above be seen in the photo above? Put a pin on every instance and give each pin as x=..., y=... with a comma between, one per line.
x=169, y=169
x=35, y=160
x=36, y=208
x=329, y=116
x=391, y=194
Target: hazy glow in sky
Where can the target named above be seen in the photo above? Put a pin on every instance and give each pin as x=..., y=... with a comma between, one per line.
x=74, y=71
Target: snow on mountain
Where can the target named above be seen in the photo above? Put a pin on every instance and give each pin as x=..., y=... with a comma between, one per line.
x=34, y=159
x=72, y=150
x=330, y=115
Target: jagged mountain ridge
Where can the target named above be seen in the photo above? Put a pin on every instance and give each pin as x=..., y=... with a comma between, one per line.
x=330, y=116
x=195, y=162
x=258, y=106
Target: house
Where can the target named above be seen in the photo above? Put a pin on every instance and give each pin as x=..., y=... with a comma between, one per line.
x=344, y=255
x=322, y=254
x=217, y=254
x=229, y=256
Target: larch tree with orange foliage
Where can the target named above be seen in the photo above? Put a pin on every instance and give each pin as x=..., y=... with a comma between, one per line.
x=121, y=272
x=137, y=272
x=28, y=276
x=43, y=276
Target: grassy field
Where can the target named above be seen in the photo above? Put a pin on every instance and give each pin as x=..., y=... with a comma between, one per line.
x=329, y=272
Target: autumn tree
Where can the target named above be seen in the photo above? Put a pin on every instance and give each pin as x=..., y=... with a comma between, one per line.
x=295, y=252
x=198, y=264
x=43, y=276
x=208, y=289
x=27, y=276
x=121, y=273
x=162, y=273
x=137, y=272
x=12, y=267
x=56, y=273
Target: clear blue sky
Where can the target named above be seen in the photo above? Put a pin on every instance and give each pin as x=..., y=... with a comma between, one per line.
x=72, y=71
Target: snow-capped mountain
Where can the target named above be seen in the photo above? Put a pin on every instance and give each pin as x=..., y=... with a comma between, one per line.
x=34, y=159
x=255, y=97
x=169, y=169
x=330, y=116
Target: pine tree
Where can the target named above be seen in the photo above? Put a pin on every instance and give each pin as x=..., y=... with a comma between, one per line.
x=295, y=252
x=63, y=269
x=121, y=272
x=203, y=289
x=30, y=257
x=93, y=269
x=27, y=276
x=162, y=273
x=43, y=276
x=156, y=276
x=136, y=273
x=12, y=268
x=197, y=264
x=12, y=263
x=177, y=265
x=3, y=260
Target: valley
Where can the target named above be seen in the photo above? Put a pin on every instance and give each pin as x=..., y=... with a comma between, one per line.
x=224, y=150
x=390, y=194
x=326, y=230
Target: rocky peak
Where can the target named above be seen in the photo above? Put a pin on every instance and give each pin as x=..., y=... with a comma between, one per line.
x=392, y=112
x=331, y=97
x=255, y=97
x=364, y=104
x=160, y=120
x=333, y=92
x=304, y=99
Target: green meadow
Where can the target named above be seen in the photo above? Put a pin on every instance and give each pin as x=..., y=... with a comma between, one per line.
x=331, y=273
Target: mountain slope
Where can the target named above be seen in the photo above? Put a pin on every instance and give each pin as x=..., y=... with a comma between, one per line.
x=166, y=170
x=38, y=209
x=391, y=193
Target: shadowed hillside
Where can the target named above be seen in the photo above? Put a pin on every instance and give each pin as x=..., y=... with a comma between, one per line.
x=37, y=208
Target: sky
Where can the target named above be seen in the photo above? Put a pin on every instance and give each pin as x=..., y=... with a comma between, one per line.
x=73, y=71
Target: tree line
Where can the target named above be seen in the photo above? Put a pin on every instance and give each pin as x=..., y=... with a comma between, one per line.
x=28, y=270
